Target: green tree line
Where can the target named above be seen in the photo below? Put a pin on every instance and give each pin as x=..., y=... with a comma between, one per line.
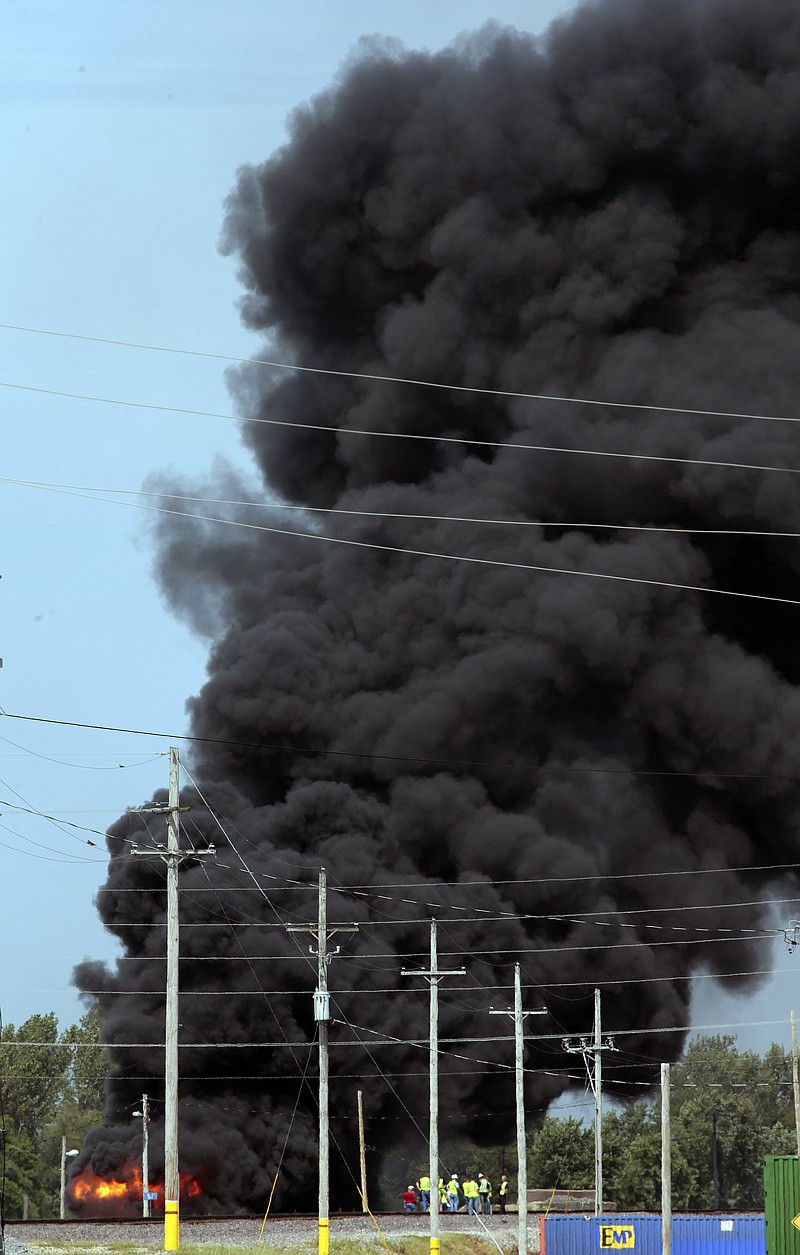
x=738, y=1099
x=51, y=1086
x=727, y=1105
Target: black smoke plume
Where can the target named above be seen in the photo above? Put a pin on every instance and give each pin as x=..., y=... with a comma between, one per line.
x=610, y=212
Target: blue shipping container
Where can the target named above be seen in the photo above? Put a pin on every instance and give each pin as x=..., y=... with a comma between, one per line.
x=691, y=1235
x=587, y=1235
x=734, y=1235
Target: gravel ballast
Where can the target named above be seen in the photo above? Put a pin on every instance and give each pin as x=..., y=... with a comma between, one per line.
x=282, y=1232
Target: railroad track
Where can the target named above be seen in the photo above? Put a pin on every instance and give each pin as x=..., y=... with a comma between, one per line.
x=249, y=1218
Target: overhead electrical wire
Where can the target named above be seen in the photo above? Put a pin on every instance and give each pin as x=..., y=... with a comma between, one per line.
x=27, y=752
x=494, y=914
x=394, y=379
x=469, y=442
x=732, y=934
x=532, y=986
x=416, y=1042
x=565, y=768
x=373, y=891
x=453, y=557
x=90, y=491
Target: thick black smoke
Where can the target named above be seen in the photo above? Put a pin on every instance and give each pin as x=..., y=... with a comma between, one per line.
x=611, y=213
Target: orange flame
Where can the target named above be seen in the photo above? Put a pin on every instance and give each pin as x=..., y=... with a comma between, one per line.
x=121, y=1193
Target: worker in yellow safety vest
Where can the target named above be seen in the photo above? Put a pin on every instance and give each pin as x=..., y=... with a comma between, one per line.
x=442, y=1195
x=424, y=1185
x=503, y=1192
x=471, y=1196
x=485, y=1193
x=452, y=1193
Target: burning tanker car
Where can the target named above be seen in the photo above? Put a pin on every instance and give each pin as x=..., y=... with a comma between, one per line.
x=591, y=774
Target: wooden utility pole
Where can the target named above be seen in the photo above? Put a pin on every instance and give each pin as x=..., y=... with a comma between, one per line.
x=172, y=1185
x=62, y=1210
x=433, y=976
x=598, y=1110
x=595, y=1047
x=795, y=1082
x=519, y=1078
x=62, y=1204
x=145, y=1157
x=666, y=1164
x=362, y=1154
x=173, y=856
x=322, y=1015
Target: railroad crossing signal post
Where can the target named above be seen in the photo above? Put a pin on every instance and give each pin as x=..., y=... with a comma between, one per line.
x=173, y=856
x=322, y=1015
x=522, y=1149
x=433, y=976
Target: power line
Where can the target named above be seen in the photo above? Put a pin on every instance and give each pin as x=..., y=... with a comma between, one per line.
x=248, y=925
x=469, y=558
x=395, y=1041
x=537, y=986
x=369, y=890
x=566, y=768
x=365, y=891
x=402, y=435
x=394, y=379
x=563, y=525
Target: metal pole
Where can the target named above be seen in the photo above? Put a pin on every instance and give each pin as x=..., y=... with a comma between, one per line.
x=145, y=1157
x=62, y=1208
x=522, y=1149
x=714, y=1160
x=598, y=1110
x=666, y=1165
x=795, y=1082
x=171, y=1174
x=323, y=1016
x=433, y=1128
x=362, y=1154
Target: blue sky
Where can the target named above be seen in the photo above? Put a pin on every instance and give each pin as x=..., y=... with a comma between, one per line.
x=122, y=127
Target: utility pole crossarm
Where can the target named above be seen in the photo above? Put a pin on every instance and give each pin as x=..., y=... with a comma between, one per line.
x=585, y=1046
x=415, y=971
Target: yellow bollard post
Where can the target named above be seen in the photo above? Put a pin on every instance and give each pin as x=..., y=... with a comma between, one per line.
x=171, y=1226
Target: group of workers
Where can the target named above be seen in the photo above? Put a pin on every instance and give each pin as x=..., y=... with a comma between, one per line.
x=476, y=1194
